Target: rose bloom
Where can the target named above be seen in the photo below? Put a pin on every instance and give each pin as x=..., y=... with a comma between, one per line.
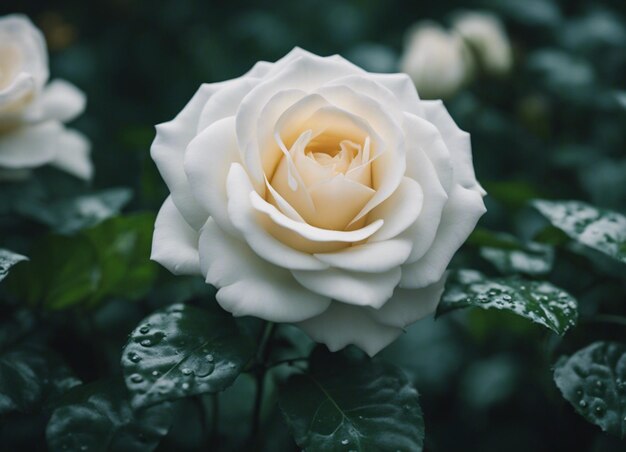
x=32, y=113
x=486, y=36
x=311, y=192
x=438, y=61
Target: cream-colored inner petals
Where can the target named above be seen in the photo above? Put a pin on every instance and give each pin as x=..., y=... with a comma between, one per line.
x=10, y=64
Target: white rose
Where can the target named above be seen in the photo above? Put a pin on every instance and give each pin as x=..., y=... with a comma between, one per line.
x=32, y=113
x=312, y=192
x=437, y=60
x=485, y=34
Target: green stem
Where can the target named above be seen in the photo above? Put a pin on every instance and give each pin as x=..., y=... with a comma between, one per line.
x=263, y=352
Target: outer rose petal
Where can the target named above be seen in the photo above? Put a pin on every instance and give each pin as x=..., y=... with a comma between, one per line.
x=250, y=286
x=404, y=90
x=409, y=305
x=457, y=141
x=341, y=325
x=460, y=215
x=207, y=161
x=59, y=100
x=373, y=257
x=72, y=155
x=29, y=147
x=175, y=243
x=361, y=289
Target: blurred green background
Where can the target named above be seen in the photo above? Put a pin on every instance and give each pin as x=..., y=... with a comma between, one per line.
x=555, y=127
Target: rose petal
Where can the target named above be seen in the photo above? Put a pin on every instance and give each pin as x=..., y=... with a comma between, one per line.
x=457, y=141
x=357, y=288
x=460, y=215
x=207, y=161
x=175, y=243
x=59, y=100
x=29, y=147
x=168, y=152
x=225, y=101
x=248, y=285
x=404, y=90
x=302, y=72
x=409, y=305
x=370, y=257
x=72, y=155
x=399, y=211
x=341, y=325
x=248, y=222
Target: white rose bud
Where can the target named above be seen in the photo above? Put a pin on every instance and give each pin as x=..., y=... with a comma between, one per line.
x=32, y=113
x=485, y=34
x=311, y=192
x=437, y=60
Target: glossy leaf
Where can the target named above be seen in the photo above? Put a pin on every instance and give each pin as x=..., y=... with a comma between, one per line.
x=593, y=380
x=182, y=351
x=31, y=374
x=600, y=229
x=7, y=260
x=71, y=215
x=98, y=417
x=510, y=255
x=352, y=403
x=538, y=301
x=122, y=245
x=62, y=272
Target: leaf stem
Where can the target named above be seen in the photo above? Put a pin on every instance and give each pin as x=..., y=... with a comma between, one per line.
x=263, y=352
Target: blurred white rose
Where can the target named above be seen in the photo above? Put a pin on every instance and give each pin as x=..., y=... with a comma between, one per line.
x=438, y=61
x=486, y=36
x=310, y=191
x=32, y=113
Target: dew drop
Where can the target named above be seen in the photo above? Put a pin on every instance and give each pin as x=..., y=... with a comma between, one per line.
x=156, y=373
x=146, y=343
x=599, y=410
x=506, y=297
x=185, y=386
x=344, y=442
x=210, y=358
x=134, y=357
x=136, y=378
x=145, y=329
x=582, y=403
x=599, y=384
x=186, y=371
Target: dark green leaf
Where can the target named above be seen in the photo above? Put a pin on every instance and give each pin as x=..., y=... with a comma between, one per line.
x=509, y=255
x=600, y=229
x=593, y=380
x=181, y=351
x=30, y=374
x=98, y=417
x=348, y=402
x=71, y=215
x=62, y=271
x=122, y=246
x=538, y=301
x=7, y=260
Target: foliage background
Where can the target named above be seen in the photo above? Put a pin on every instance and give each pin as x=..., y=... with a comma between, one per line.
x=554, y=128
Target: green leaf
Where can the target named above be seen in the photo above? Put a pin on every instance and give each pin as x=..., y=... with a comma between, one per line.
x=538, y=301
x=31, y=374
x=68, y=216
x=181, y=351
x=62, y=272
x=350, y=402
x=600, y=229
x=593, y=380
x=7, y=260
x=98, y=417
x=122, y=245
x=510, y=255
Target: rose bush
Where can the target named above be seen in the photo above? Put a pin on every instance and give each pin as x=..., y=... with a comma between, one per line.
x=311, y=192
x=32, y=113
